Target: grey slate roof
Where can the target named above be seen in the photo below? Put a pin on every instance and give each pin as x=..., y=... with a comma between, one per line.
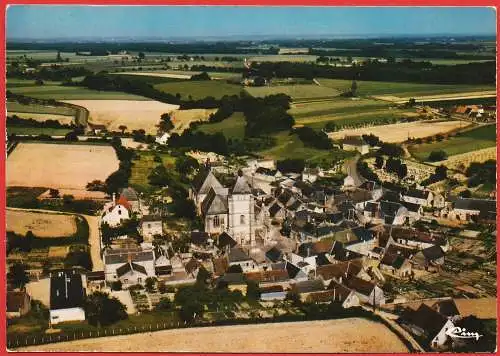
x=241, y=186
x=66, y=290
x=130, y=267
x=121, y=256
x=487, y=208
x=225, y=240
x=214, y=204
x=314, y=285
x=130, y=194
x=238, y=255
x=205, y=180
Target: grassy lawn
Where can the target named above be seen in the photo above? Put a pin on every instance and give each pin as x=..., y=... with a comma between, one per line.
x=72, y=93
x=13, y=106
x=232, y=127
x=36, y=131
x=366, y=88
x=290, y=146
x=200, y=89
x=297, y=91
x=472, y=140
x=16, y=82
x=142, y=167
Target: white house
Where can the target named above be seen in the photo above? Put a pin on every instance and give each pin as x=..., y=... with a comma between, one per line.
x=115, y=212
x=419, y=197
x=129, y=265
x=150, y=226
x=367, y=292
x=237, y=257
x=162, y=138
x=67, y=297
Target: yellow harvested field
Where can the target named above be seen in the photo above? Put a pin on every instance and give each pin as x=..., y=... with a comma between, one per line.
x=463, y=160
x=440, y=97
x=326, y=336
x=60, y=166
x=400, y=132
x=182, y=118
x=58, y=251
x=134, y=114
x=63, y=119
x=41, y=224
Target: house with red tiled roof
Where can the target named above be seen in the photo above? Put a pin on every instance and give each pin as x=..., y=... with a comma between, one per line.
x=115, y=212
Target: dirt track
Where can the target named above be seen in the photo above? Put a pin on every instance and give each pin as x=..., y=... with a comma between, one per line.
x=345, y=335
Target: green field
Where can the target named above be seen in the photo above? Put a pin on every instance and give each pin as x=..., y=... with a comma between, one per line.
x=142, y=167
x=472, y=140
x=232, y=127
x=367, y=88
x=290, y=146
x=200, y=89
x=58, y=92
x=13, y=106
x=296, y=92
x=36, y=131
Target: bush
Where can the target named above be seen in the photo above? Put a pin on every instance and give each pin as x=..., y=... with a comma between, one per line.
x=116, y=285
x=436, y=156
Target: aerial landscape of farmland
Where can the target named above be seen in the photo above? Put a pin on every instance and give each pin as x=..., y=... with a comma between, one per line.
x=285, y=184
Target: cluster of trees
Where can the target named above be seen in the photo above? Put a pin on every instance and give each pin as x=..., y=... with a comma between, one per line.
x=54, y=72
x=436, y=156
x=372, y=140
x=120, y=178
x=128, y=227
x=19, y=242
x=80, y=258
x=291, y=165
x=102, y=310
x=365, y=171
x=166, y=123
x=17, y=275
x=481, y=173
x=391, y=149
x=313, y=138
x=440, y=173
x=201, y=76
x=405, y=71
x=199, y=140
x=394, y=165
x=16, y=121
x=267, y=115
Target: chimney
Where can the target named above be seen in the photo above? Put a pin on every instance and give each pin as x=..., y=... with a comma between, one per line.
x=114, y=199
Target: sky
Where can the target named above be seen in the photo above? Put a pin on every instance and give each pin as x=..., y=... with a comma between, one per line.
x=108, y=22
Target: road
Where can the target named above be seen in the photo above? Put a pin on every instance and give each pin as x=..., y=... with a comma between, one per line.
x=94, y=236
x=352, y=170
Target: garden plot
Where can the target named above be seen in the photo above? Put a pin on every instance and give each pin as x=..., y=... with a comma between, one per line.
x=134, y=114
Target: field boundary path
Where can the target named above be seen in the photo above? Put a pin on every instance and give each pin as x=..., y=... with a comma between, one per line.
x=94, y=239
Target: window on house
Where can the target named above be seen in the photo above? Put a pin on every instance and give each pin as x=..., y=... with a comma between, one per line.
x=125, y=281
x=242, y=219
x=149, y=226
x=139, y=280
x=216, y=221
x=119, y=212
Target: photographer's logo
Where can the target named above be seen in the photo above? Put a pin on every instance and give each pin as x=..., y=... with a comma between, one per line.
x=462, y=333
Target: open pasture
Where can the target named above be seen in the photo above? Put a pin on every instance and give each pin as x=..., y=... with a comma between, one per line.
x=462, y=161
x=43, y=225
x=200, y=89
x=13, y=106
x=297, y=91
x=468, y=141
x=134, y=114
x=65, y=166
x=182, y=118
x=171, y=74
x=371, y=88
x=401, y=131
x=232, y=127
x=63, y=119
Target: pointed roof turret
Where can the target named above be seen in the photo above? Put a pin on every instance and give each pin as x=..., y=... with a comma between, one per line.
x=241, y=186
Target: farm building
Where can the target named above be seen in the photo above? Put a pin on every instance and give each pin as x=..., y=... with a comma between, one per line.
x=67, y=297
x=419, y=197
x=115, y=212
x=355, y=143
x=18, y=304
x=476, y=210
x=129, y=265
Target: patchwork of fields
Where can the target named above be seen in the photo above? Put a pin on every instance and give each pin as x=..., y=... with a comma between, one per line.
x=296, y=92
x=469, y=141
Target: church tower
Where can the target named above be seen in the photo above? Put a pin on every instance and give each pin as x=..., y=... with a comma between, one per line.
x=241, y=212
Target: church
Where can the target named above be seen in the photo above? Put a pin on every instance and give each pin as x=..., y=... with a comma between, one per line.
x=230, y=210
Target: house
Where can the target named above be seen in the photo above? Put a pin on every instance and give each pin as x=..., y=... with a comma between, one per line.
x=199, y=238
x=294, y=272
x=393, y=213
x=225, y=242
x=428, y=324
x=418, y=239
x=305, y=288
x=67, y=297
x=18, y=304
x=338, y=293
x=355, y=143
x=162, y=138
x=360, y=240
x=367, y=292
x=339, y=272
x=395, y=264
x=132, y=197
x=414, y=212
x=474, y=210
x=271, y=277
x=272, y=293
x=151, y=226
x=419, y=197
x=238, y=257
x=430, y=257
x=97, y=128
x=274, y=254
x=129, y=265
x=116, y=212
x=311, y=174
x=276, y=212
